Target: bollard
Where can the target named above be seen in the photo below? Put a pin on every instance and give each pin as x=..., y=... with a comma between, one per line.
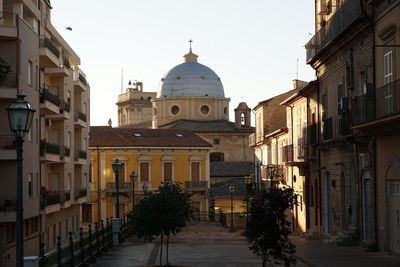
x=71, y=249
x=59, y=260
x=102, y=235
x=90, y=241
x=81, y=245
x=96, y=227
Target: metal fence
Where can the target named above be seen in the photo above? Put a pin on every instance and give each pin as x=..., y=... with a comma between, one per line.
x=83, y=247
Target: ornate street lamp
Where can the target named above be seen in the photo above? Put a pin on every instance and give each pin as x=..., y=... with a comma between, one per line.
x=145, y=187
x=116, y=165
x=270, y=173
x=133, y=177
x=20, y=115
x=231, y=189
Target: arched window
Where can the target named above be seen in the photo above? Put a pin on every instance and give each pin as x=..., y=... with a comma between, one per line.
x=243, y=119
x=216, y=157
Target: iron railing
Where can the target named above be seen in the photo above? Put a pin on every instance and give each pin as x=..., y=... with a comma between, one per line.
x=52, y=197
x=277, y=172
x=287, y=153
x=8, y=204
x=338, y=23
x=122, y=187
x=46, y=147
x=45, y=94
x=80, y=116
x=302, y=148
x=84, y=246
x=66, y=195
x=81, y=192
x=66, y=62
x=328, y=129
x=67, y=106
x=197, y=185
x=82, y=154
x=381, y=103
x=47, y=43
x=67, y=151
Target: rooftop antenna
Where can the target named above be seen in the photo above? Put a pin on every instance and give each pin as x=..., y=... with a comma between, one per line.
x=122, y=80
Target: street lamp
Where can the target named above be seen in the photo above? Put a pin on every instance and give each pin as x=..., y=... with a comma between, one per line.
x=144, y=188
x=231, y=191
x=133, y=177
x=248, y=182
x=116, y=165
x=20, y=115
x=270, y=172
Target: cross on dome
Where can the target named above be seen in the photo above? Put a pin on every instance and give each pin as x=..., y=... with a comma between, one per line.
x=190, y=57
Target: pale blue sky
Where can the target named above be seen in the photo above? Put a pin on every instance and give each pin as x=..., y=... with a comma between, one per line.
x=253, y=45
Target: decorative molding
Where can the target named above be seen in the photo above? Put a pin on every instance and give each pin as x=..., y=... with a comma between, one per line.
x=144, y=158
x=168, y=158
x=194, y=158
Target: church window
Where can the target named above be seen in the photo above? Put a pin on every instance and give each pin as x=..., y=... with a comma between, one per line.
x=243, y=118
x=175, y=110
x=178, y=78
x=216, y=157
x=205, y=109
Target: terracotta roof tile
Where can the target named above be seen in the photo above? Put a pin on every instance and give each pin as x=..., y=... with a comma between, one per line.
x=105, y=136
x=216, y=126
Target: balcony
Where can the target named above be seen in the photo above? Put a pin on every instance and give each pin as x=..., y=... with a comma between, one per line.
x=278, y=172
x=49, y=102
x=80, y=119
x=49, y=53
x=8, y=88
x=7, y=204
x=80, y=157
x=80, y=82
x=341, y=21
x=7, y=147
x=124, y=187
x=379, y=110
x=252, y=140
x=52, y=197
x=287, y=153
x=345, y=124
x=65, y=154
x=49, y=152
x=328, y=129
x=65, y=195
x=197, y=186
x=302, y=148
x=81, y=192
x=8, y=24
x=64, y=112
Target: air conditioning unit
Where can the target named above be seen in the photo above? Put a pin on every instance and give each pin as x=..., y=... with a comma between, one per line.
x=365, y=160
x=322, y=8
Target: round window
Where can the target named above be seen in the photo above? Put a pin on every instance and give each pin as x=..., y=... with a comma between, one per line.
x=175, y=110
x=204, y=109
x=225, y=110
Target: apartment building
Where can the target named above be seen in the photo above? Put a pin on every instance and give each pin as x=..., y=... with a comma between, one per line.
x=341, y=53
x=45, y=68
x=157, y=156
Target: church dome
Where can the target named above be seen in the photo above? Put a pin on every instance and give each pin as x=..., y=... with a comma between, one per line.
x=190, y=79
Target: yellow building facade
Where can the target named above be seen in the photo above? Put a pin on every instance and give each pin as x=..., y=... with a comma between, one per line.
x=156, y=156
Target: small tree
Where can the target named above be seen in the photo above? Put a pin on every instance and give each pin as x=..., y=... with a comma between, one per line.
x=268, y=228
x=162, y=214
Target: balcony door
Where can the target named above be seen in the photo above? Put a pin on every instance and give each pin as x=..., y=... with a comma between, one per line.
x=195, y=171
x=388, y=79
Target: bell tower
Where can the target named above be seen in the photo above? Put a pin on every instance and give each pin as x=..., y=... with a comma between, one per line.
x=242, y=116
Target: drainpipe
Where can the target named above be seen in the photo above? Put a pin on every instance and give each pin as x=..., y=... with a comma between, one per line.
x=319, y=161
x=98, y=186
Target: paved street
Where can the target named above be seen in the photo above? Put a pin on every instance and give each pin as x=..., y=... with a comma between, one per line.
x=204, y=244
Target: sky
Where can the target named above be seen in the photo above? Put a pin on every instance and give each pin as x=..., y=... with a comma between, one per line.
x=256, y=47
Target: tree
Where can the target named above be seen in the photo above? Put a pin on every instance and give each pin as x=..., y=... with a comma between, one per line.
x=268, y=228
x=162, y=214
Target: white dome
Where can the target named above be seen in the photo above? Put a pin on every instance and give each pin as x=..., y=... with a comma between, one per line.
x=190, y=79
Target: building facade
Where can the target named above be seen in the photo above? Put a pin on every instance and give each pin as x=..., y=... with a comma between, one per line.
x=157, y=156
x=46, y=69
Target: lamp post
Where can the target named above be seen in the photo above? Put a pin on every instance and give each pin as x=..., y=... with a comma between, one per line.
x=248, y=182
x=20, y=115
x=116, y=165
x=270, y=173
x=133, y=177
x=231, y=191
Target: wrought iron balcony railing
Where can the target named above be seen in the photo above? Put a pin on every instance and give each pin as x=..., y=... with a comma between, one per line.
x=67, y=151
x=197, y=185
x=82, y=154
x=46, y=42
x=338, y=23
x=122, y=187
x=52, y=197
x=81, y=192
x=287, y=153
x=80, y=115
x=46, y=147
x=45, y=94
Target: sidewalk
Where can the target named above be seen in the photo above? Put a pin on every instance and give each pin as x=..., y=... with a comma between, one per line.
x=317, y=254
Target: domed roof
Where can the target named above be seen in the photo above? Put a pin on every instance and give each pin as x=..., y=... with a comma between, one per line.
x=190, y=79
